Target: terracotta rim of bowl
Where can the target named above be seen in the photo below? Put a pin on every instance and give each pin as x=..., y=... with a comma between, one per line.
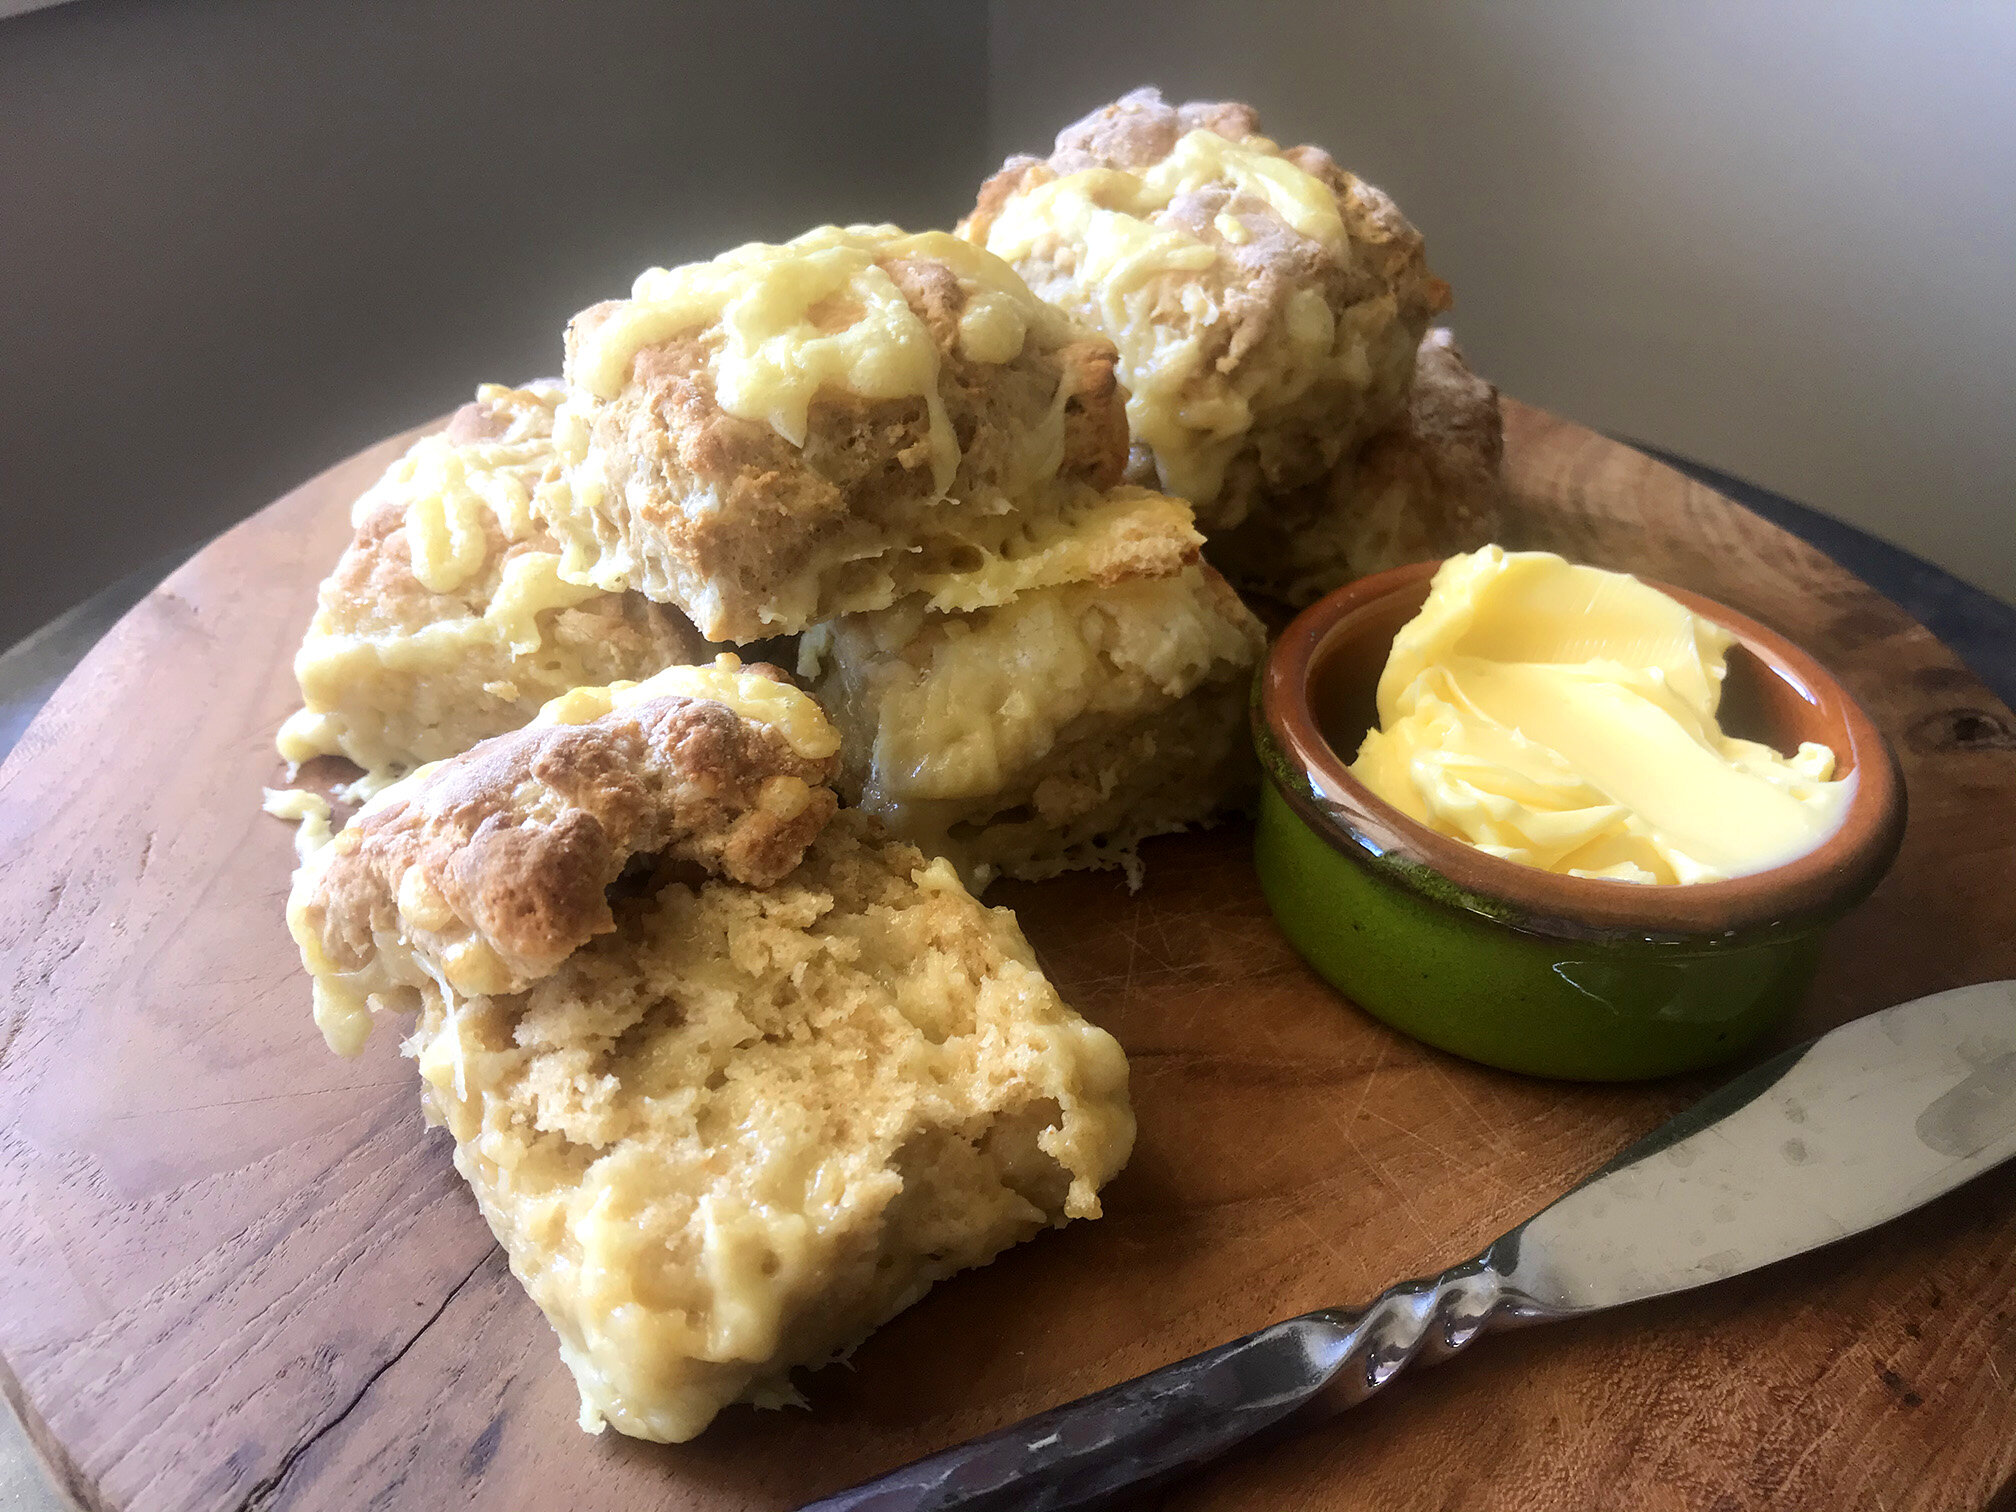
x=1827, y=880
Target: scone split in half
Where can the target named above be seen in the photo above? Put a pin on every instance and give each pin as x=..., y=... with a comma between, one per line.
x=722, y=1127
x=1103, y=703
x=792, y=432
x=446, y=620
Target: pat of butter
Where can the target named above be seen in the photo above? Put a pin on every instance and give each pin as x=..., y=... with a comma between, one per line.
x=1564, y=717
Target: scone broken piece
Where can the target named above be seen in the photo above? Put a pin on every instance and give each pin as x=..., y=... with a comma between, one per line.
x=1062, y=728
x=1266, y=304
x=792, y=432
x=1428, y=486
x=482, y=873
x=750, y=1126
x=741, y=1125
x=446, y=620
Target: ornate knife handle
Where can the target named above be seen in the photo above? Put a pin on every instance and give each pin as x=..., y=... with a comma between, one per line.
x=1084, y=1452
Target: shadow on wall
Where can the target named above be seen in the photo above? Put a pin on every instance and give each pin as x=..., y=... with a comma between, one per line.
x=243, y=240
x=1783, y=245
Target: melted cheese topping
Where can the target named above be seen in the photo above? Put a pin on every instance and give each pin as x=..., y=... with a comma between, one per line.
x=1127, y=255
x=786, y=709
x=331, y=664
x=308, y=812
x=445, y=521
x=1565, y=718
x=817, y=314
x=344, y=1000
x=531, y=585
x=451, y=488
x=399, y=667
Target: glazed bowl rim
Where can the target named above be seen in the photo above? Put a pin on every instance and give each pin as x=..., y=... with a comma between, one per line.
x=1316, y=781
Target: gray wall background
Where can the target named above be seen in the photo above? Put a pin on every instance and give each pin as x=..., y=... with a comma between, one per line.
x=1775, y=236
x=241, y=238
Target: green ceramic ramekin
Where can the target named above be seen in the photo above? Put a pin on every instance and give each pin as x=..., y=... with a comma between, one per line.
x=1554, y=976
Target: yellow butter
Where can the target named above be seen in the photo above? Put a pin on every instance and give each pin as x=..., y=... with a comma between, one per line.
x=1564, y=717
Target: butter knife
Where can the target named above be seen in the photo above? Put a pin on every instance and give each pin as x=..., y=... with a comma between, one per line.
x=1836, y=1136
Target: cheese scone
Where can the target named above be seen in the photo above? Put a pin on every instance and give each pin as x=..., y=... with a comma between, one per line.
x=481, y=873
x=1428, y=486
x=1062, y=728
x=791, y=432
x=749, y=1127
x=742, y=1125
x=1266, y=304
x=446, y=620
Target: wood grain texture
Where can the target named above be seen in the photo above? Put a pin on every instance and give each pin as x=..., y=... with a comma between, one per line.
x=236, y=1271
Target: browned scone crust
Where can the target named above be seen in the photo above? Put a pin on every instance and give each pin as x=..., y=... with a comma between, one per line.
x=395, y=673
x=1430, y=486
x=723, y=515
x=511, y=847
x=863, y=472
x=1377, y=286
x=1138, y=130
x=373, y=590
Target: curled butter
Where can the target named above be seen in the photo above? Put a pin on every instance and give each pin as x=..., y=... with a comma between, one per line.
x=1565, y=718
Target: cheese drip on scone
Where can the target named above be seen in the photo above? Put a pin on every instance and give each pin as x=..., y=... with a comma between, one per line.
x=791, y=432
x=1265, y=303
x=821, y=313
x=1103, y=704
x=734, y=1078
x=751, y=1125
x=446, y=620
x=481, y=873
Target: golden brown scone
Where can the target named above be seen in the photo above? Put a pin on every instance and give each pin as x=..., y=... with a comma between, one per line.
x=792, y=432
x=1266, y=304
x=1062, y=728
x=483, y=872
x=445, y=620
x=749, y=1126
x=1429, y=486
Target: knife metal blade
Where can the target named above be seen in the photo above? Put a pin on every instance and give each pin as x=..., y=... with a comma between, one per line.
x=1840, y=1134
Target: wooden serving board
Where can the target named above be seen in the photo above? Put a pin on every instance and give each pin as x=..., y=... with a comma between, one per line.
x=236, y=1271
